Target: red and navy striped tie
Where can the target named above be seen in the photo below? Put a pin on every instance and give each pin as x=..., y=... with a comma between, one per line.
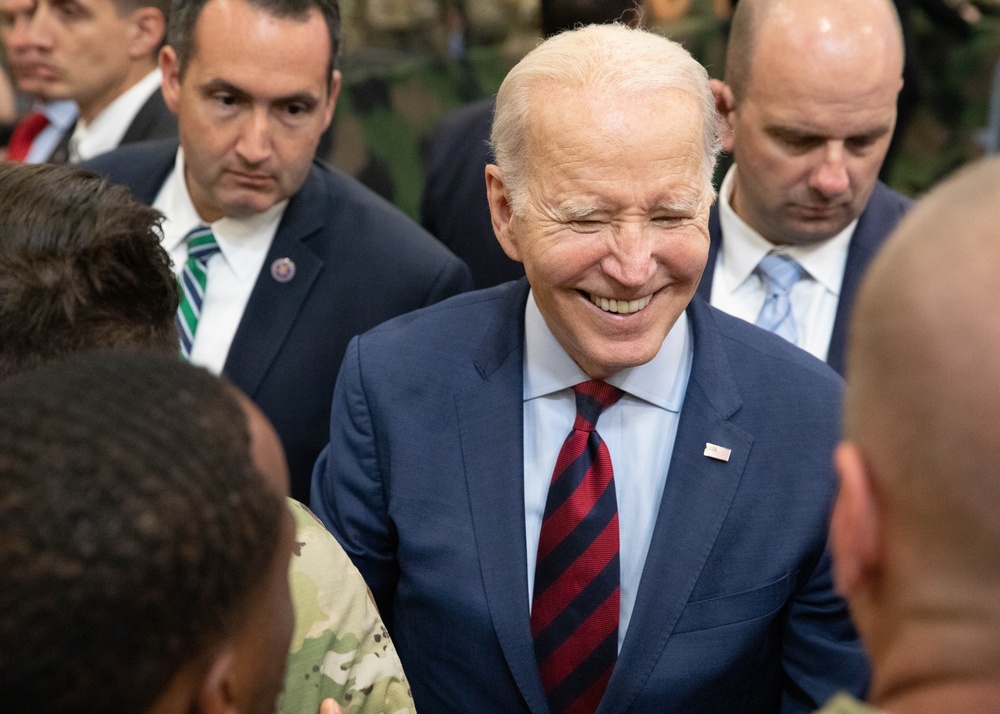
x=574, y=612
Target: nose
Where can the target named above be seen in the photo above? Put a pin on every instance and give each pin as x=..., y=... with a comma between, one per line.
x=254, y=144
x=630, y=260
x=830, y=178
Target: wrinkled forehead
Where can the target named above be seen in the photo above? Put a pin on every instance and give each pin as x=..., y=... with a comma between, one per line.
x=649, y=132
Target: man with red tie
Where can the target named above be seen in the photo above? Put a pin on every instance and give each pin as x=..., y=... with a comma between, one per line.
x=36, y=136
x=588, y=490
x=97, y=58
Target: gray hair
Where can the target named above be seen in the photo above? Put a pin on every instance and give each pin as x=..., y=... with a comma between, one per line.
x=627, y=61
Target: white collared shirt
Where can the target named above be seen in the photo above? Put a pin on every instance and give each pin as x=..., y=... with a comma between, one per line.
x=639, y=431
x=108, y=128
x=738, y=290
x=232, y=273
x=61, y=116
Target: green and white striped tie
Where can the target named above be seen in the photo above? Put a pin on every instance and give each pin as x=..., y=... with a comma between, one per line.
x=192, y=281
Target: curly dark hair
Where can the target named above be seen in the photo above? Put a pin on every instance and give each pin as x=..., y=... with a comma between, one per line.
x=81, y=267
x=135, y=532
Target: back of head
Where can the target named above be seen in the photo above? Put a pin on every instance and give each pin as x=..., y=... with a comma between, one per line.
x=134, y=530
x=81, y=267
x=923, y=367
x=613, y=60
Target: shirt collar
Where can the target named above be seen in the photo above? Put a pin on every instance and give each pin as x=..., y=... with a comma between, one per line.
x=662, y=381
x=61, y=114
x=241, y=240
x=105, y=132
x=744, y=247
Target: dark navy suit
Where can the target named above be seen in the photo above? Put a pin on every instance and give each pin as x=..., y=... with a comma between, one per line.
x=358, y=262
x=884, y=210
x=423, y=485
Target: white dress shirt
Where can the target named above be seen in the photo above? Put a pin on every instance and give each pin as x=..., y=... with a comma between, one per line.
x=639, y=431
x=232, y=272
x=61, y=116
x=108, y=128
x=738, y=290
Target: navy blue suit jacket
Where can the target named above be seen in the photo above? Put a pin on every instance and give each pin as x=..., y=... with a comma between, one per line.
x=423, y=486
x=884, y=210
x=358, y=262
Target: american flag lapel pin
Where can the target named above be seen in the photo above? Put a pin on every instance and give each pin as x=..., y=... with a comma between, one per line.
x=719, y=453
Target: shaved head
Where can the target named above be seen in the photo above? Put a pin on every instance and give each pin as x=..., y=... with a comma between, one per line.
x=923, y=374
x=831, y=29
x=809, y=108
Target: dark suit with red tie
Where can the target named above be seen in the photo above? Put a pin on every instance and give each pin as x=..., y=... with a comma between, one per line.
x=423, y=486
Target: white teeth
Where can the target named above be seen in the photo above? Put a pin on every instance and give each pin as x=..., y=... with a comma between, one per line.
x=622, y=307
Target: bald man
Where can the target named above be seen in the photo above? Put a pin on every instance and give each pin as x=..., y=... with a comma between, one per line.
x=809, y=106
x=915, y=533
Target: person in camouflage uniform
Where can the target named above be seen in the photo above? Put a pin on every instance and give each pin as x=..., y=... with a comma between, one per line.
x=914, y=533
x=340, y=648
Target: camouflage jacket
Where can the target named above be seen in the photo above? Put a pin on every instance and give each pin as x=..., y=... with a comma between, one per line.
x=340, y=647
x=844, y=704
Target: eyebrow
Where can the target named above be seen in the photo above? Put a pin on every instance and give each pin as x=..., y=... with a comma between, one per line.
x=575, y=211
x=791, y=133
x=684, y=204
x=221, y=85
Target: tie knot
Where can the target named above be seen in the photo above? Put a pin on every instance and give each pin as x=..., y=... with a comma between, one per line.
x=780, y=271
x=201, y=243
x=592, y=398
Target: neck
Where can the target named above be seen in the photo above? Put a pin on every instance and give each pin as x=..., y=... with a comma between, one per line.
x=982, y=697
x=943, y=662
x=90, y=109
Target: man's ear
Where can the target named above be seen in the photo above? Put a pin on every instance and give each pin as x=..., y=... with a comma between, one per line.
x=725, y=105
x=855, y=525
x=336, y=82
x=170, y=70
x=216, y=693
x=146, y=32
x=501, y=212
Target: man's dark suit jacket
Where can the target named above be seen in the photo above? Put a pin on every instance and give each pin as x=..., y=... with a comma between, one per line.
x=884, y=210
x=358, y=262
x=454, y=206
x=153, y=121
x=423, y=486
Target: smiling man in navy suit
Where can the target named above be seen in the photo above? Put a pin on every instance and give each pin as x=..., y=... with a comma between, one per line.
x=588, y=490
x=283, y=259
x=809, y=106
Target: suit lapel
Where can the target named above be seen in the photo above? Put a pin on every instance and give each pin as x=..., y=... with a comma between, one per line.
x=490, y=417
x=696, y=499
x=876, y=222
x=274, y=306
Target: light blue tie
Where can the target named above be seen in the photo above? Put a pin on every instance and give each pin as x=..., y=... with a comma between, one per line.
x=779, y=273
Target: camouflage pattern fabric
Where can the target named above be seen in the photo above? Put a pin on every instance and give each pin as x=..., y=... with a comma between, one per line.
x=340, y=647
x=844, y=704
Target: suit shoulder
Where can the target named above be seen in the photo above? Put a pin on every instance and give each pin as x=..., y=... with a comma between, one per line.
x=449, y=320
x=130, y=163
x=888, y=200
x=759, y=355
x=370, y=224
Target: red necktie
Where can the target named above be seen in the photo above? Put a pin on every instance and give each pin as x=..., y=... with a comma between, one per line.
x=30, y=126
x=574, y=613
